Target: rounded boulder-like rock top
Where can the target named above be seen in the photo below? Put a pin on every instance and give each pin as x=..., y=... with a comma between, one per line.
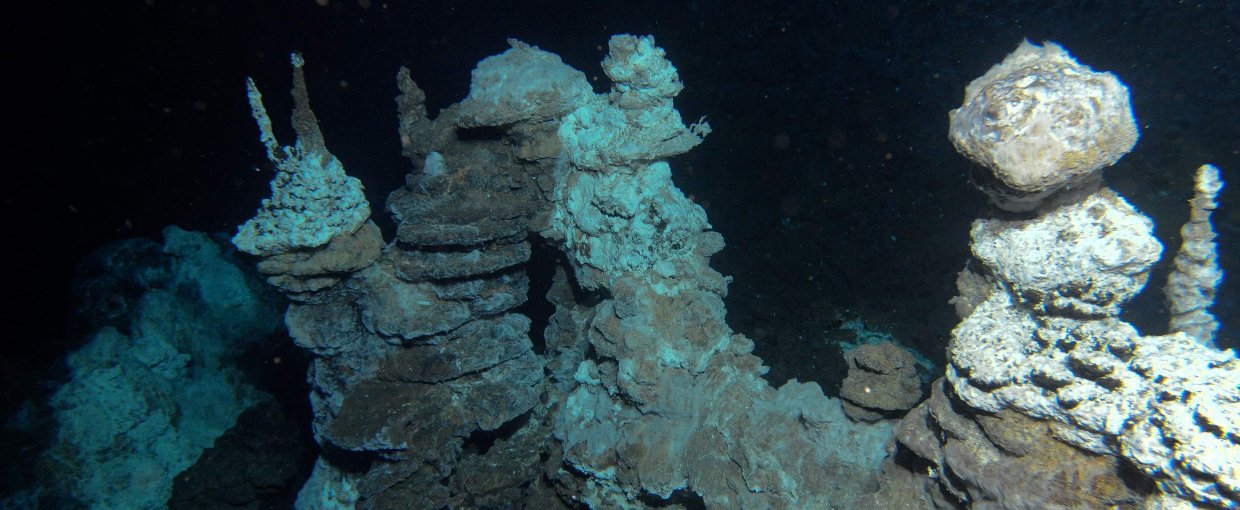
x=1040, y=122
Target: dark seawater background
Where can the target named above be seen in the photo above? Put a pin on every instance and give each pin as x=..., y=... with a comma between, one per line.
x=829, y=171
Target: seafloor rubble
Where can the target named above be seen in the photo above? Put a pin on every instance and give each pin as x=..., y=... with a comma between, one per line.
x=882, y=382
x=157, y=380
x=430, y=389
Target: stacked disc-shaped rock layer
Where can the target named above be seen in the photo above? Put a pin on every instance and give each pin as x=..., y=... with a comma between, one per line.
x=463, y=228
x=447, y=358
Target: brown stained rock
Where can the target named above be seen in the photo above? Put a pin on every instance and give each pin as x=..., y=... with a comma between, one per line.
x=399, y=310
x=946, y=413
x=477, y=194
x=535, y=142
x=474, y=347
x=324, y=328
x=301, y=289
x=1003, y=460
x=1041, y=122
x=422, y=369
x=486, y=289
x=302, y=273
x=416, y=266
x=860, y=413
x=903, y=486
x=1052, y=475
x=974, y=288
x=344, y=254
x=483, y=231
x=418, y=421
x=420, y=489
x=918, y=431
x=388, y=302
x=1013, y=432
x=419, y=134
x=882, y=380
x=493, y=478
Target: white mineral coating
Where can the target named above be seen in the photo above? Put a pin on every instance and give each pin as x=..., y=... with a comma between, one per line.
x=637, y=122
x=312, y=199
x=1068, y=371
x=673, y=399
x=1192, y=283
x=602, y=136
x=627, y=222
x=1188, y=438
x=618, y=208
x=1046, y=343
x=522, y=84
x=1025, y=345
x=141, y=407
x=986, y=352
x=1040, y=121
x=1172, y=405
x=327, y=489
x=435, y=165
x=640, y=72
x=1081, y=259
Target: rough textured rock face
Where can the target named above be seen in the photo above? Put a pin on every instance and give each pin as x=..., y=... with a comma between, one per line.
x=426, y=378
x=428, y=392
x=1191, y=285
x=1188, y=438
x=1045, y=384
x=1039, y=121
x=312, y=199
x=157, y=384
x=522, y=85
x=1099, y=384
x=447, y=357
x=1005, y=460
x=1097, y=389
x=416, y=345
x=1082, y=259
x=672, y=402
x=301, y=272
x=616, y=208
x=882, y=382
x=1102, y=386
